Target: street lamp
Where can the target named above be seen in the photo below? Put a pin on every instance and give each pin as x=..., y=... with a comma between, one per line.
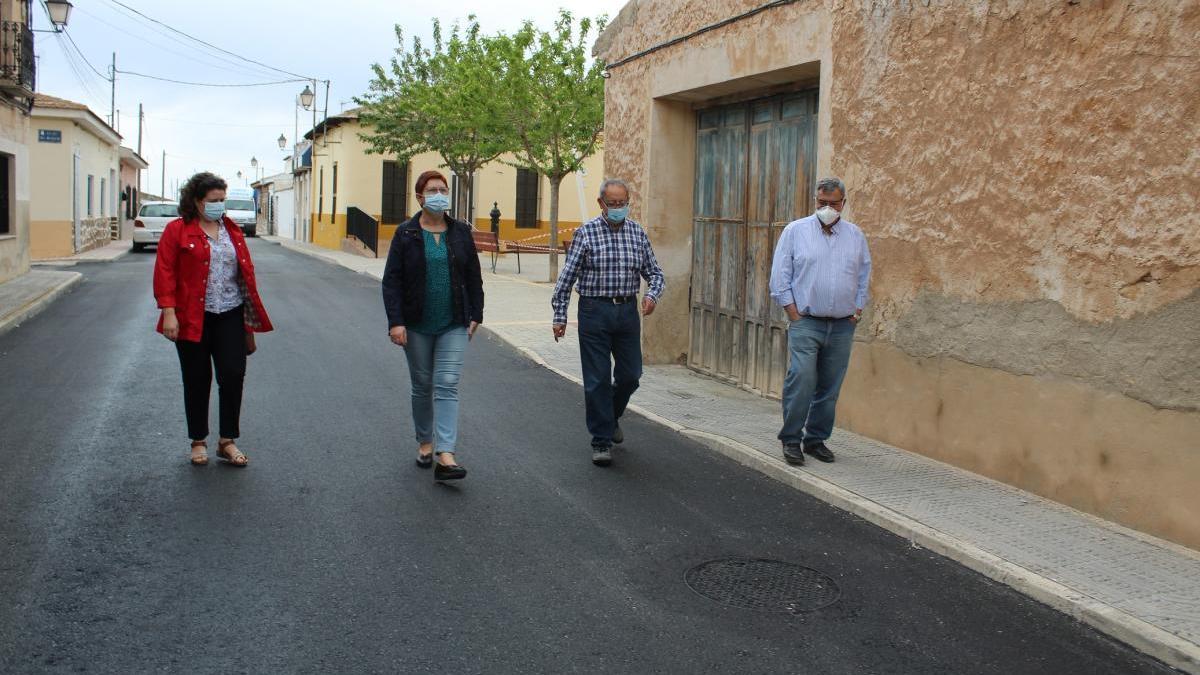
x=282, y=141
x=306, y=97
x=60, y=13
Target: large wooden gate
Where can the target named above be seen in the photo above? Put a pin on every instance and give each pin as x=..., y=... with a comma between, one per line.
x=755, y=164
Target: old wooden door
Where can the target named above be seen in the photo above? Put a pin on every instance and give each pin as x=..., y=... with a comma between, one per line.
x=754, y=174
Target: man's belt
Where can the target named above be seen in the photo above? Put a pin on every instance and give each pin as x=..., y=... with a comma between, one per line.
x=616, y=300
x=826, y=318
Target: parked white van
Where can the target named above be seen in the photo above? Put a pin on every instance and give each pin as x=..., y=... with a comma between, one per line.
x=239, y=206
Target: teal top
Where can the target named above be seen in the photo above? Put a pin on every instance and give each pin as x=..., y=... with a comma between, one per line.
x=439, y=300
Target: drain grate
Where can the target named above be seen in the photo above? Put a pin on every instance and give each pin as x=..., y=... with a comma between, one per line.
x=769, y=585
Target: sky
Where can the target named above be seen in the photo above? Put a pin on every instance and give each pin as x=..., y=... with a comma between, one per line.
x=221, y=129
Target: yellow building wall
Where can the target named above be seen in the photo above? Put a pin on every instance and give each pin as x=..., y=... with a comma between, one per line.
x=360, y=181
x=50, y=165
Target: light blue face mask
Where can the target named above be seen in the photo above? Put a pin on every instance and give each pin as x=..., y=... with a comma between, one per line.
x=214, y=210
x=437, y=202
x=617, y=215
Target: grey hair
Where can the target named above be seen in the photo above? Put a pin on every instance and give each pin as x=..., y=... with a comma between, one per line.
x=609, y=182
x=830, y=184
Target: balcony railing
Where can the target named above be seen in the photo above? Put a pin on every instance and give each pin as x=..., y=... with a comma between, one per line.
x=16, y=58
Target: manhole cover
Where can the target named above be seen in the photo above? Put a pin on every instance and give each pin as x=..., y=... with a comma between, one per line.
x=763, y=584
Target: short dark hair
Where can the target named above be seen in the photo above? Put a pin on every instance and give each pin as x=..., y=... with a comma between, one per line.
x=424, y=179
x=198, y=187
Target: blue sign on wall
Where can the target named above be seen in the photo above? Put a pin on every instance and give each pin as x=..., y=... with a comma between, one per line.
x=49, y=136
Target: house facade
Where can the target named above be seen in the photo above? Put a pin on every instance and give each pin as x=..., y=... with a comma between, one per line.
x=74, y=166
x=344, y=174
x=17, y=69
x=132, y=166
x=1026, y=175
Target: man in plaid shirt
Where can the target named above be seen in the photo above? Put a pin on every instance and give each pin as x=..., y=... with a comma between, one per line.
x=609, y=257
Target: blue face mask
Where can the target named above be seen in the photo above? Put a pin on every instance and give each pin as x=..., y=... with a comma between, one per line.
x=437, y=202
x=617, y=215
x=214, y=210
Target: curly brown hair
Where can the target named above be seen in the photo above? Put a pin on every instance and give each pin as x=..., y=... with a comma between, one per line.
x=195, y=189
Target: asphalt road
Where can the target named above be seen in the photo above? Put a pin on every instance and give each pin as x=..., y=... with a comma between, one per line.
x=332, y=552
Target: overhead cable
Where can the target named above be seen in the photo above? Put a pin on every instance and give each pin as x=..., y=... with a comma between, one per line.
x=211, y=84
x=209, y=44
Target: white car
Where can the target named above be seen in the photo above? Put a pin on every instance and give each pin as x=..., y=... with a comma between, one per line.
x=151, y=219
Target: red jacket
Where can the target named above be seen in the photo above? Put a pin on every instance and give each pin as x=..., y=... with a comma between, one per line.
x=181, y=277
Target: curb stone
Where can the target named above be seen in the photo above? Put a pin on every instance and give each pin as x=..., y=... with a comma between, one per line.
x=35, y=306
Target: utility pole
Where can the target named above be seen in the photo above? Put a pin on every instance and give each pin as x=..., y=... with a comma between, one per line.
x=141, y=117
x=162, y=190
x=112, y=105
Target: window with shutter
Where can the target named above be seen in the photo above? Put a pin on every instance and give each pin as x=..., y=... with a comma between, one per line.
x=527, y=198
x=394, y=193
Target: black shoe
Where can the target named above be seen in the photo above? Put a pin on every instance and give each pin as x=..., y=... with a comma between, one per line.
x=424, y=461
x=442, y=472
x=794, y=454
x=618, y=435
x=819, y=451
x=601, y=455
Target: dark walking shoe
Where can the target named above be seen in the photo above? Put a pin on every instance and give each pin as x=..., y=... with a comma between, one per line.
x=442, y=472
x=794, y=454
x=618, y=435
x=819, y=451
x=424, y=461
x=601, y=455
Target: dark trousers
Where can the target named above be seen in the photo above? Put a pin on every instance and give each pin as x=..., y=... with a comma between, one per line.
x=222, y=346
x=610, y=348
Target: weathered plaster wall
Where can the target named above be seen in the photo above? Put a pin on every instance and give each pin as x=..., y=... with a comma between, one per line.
x=14, y=245
x=1028, y=175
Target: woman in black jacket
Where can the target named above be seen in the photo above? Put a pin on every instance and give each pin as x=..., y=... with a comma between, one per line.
x=433, y=294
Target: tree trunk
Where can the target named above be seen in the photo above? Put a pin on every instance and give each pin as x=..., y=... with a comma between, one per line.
x=462, y=205
x=555, y=184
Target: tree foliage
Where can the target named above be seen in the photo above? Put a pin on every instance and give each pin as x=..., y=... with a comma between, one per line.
x=555, y=101
x=447, y=100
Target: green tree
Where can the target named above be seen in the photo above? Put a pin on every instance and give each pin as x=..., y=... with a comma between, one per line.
x=447, y=100
x=555, y=102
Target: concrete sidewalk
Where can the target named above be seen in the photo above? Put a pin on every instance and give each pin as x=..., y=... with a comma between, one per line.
x=107, y=253
x=1139, y=589
x=23, y=297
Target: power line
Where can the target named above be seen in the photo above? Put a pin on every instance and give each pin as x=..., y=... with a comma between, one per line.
x=221, y=63
x=210, y=84
x=80, y=51
x=209, y=44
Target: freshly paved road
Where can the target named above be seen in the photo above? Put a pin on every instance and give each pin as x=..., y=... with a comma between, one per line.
x=332, y=552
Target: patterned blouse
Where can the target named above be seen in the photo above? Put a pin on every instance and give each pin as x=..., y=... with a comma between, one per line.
x=438, y=316
x=224, y=292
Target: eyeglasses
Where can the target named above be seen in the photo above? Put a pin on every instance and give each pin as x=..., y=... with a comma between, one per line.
x=829, y=202
x=429, y=192
x=616, y=205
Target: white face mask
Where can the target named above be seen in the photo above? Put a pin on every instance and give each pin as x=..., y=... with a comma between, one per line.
x=828, y=214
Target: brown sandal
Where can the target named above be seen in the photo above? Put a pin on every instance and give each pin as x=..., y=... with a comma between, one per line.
x=234, y=457
x=199, y=459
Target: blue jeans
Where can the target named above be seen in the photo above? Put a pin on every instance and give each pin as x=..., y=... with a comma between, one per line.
x=434, y=366
x=819, y=351
x=608, y=333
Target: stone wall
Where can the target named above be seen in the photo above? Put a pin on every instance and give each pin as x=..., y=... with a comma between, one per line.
x=1027, y=174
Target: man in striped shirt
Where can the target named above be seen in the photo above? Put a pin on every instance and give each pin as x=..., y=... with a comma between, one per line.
x=609, y=257
x=819, y=276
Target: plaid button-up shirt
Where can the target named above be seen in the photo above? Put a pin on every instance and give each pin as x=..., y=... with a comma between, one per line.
x=607, y=262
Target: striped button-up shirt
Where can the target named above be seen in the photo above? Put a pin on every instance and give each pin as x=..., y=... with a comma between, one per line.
x=824, y=275
x=608, y=262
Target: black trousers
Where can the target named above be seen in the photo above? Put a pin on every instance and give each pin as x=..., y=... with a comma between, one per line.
x=222, y=346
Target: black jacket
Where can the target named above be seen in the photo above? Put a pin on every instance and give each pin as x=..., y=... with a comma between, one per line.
x=404, y=274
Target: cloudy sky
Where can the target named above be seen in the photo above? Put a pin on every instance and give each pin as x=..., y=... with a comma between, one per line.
x=220, y=129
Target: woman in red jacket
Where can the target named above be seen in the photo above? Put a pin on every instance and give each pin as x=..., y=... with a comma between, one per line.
x=204, y=285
